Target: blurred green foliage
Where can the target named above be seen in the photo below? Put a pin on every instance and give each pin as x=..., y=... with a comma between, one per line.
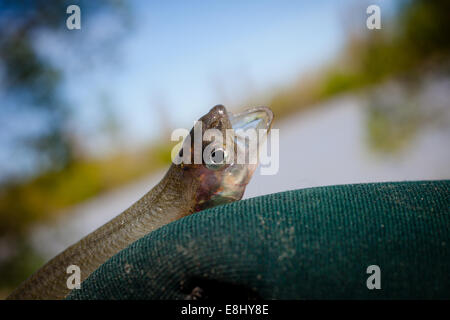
x=26, y=74
x=415, y=42
x=416, y=37
x=48, y=193
x=23, y=263
x=32, y=82
x=391, y=127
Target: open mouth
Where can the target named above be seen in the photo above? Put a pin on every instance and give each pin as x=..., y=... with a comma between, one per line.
x=254, y=118
x=258, y=120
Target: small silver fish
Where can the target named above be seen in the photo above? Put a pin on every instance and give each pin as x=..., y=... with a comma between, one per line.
x=185, y=189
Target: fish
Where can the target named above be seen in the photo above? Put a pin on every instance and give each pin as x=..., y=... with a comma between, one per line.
x=188, y=187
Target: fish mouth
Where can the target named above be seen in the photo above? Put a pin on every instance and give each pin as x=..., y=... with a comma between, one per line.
x=253, y=118
x=246, y=146
x=257, y=119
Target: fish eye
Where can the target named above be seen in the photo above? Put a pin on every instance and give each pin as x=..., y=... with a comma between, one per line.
x=218, y=156
x=217, y=159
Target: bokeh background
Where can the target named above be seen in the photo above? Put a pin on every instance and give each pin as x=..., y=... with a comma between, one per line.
x=86, y=115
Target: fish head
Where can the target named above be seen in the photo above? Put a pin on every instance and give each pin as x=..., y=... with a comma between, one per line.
x=223, y=154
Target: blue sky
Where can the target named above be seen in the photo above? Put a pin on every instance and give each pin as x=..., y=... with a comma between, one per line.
x=186, y=56
x=189, y=56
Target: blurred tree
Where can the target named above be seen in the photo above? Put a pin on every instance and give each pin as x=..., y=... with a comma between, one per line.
x=30, y=89
x=425, y=27
x=25, y=75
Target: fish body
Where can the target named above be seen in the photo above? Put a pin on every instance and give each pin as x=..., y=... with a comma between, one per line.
x=185, y=189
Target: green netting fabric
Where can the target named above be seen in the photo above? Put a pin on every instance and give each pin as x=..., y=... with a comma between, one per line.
x=305, y=244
